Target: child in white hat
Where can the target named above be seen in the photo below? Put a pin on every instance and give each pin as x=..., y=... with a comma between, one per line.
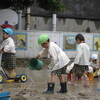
x=94, y=64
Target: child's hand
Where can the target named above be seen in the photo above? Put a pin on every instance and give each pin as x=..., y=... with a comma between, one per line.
x=0, y=50
x=38, y=56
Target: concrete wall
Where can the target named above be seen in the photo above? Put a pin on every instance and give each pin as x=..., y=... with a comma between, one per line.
x=33, y=48
x=63, y=24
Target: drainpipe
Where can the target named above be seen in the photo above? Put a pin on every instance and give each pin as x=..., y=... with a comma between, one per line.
x=54, y=22
x=19, y=19
x=28, y=19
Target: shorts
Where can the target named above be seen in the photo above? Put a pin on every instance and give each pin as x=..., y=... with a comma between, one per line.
x=79, y=68
x=60, y=71
x=9, y=60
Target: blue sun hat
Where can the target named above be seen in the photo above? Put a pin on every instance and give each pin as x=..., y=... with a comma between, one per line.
x=35, y=64
x=9, y=31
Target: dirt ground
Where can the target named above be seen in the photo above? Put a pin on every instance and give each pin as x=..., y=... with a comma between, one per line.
x=37, y=83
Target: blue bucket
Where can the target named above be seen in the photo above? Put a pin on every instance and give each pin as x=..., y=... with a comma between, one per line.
x=5, y=96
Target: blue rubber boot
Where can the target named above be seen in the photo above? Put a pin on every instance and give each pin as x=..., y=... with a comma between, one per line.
x=50, y=88
x=63, y=88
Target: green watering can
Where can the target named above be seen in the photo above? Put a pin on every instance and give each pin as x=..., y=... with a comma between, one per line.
x=35, y=64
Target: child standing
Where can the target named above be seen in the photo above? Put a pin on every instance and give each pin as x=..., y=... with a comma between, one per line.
x=59, y=61
x=81, y=61
x=8, y=50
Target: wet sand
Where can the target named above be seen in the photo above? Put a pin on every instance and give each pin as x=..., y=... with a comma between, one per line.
x=37, y=83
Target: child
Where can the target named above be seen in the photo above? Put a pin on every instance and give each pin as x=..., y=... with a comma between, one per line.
x=78, y=75
x=8, y=50
x=59, y=61
x=94, y=64
x=81, y=61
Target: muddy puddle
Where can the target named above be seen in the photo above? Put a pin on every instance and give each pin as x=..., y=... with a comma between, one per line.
x=37, y=83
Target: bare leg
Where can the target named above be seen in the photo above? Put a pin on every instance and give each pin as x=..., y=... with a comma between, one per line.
x=86, y=79
x=53, y=78
x=73, y=76
x=61, y=78
x=12, y=73
x=11, y=70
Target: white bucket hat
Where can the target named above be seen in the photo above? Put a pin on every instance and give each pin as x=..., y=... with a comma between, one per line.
x=94, y=56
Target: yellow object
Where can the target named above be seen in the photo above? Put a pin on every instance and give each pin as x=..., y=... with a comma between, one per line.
x=9, y=80
x=95, y=73
x=12, y=75
x=1, y=78
x=90, y=76
x=23, y=78
x=98, y=45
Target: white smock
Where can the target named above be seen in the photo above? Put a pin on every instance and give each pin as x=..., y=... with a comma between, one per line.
x=8, y=45
x=82, y=54
x=58, y=58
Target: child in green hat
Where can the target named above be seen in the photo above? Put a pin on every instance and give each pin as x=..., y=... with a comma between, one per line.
x=59, y=61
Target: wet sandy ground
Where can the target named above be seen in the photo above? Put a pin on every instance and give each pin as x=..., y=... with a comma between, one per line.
x=37, y=83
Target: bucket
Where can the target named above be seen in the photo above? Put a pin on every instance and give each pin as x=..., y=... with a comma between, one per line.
x=35, y=64
x=90, y=76
x=5, y=96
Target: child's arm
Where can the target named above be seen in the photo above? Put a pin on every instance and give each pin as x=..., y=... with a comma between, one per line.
x=43, y=53
x=9, y=46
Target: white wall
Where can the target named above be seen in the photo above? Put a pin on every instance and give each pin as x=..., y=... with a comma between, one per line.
x=33, y=47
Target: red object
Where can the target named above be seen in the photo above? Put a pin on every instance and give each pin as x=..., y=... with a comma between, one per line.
x=80, y=78
x=6, y=26
x=69, y=77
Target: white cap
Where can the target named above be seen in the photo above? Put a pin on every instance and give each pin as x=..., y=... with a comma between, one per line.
x=94, y=56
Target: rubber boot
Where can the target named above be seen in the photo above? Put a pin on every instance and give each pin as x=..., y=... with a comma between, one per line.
x=63, y=88
x=50, y=88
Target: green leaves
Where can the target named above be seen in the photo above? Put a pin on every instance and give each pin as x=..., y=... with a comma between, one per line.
x=52, y=5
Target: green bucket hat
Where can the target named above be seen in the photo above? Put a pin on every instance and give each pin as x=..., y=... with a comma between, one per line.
x=35, y=64
x=42, y=38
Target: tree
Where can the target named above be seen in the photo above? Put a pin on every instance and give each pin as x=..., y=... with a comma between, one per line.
x=16, y=4
x=52, y=5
